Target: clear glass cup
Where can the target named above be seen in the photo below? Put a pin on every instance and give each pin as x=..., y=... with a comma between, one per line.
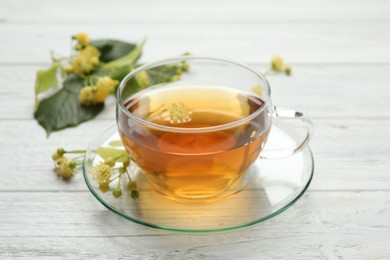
x=196, y=136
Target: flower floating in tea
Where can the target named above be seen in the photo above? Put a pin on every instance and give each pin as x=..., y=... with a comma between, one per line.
x=177, y=114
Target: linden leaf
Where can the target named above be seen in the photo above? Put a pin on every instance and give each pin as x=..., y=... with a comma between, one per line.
x=116, y=154
x=150, y=77
x=63, y=109
x=46, y=80
x=116, y=143
x=112, y=49
x=129, y=59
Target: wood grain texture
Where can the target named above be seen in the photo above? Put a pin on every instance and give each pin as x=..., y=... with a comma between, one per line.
x=14, y=11
x=340, y=54
x=323, y=225
x=347, y=42
x=319, y=90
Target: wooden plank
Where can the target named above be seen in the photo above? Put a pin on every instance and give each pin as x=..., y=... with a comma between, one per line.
x=346, y=42
x=322, y=225
x=350, y=154
x=195, y=11
x=320, y=90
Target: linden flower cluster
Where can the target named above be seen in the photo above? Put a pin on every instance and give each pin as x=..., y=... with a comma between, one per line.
x=105, y=173
x=63, y=166
x=177, y=113
x=278, y=65
x=87, y=58
x=95, y=94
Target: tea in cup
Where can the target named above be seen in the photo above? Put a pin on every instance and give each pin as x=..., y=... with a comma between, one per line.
x=195, y=138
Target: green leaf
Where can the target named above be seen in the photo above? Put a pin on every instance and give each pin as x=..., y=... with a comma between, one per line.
x=132, y=87
x=161, y=74
x=115, y=73
x=116, y=143
x=63, y=109
x=116, y=154
x=129, y=59
x=155, y=76
x=46, y=79
x=112, y=49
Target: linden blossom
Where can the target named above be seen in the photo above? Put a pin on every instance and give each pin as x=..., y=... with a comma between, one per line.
x=104, y=172
x=177, y=113
x=88, y=78
x=98, y=93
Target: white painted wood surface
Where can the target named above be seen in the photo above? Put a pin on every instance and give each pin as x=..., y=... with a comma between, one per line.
x=340, y=54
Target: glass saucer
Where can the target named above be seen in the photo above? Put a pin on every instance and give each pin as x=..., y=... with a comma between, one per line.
x=274, y=185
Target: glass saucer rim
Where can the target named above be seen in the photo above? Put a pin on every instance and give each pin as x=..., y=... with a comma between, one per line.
x=113, y=130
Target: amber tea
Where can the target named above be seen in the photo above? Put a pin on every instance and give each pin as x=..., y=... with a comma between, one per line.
x=202, y=141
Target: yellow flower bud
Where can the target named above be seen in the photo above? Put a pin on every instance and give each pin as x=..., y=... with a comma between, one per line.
x=288, y=71
x=86, y=96
x=86, y=61
x=68, y=69
x=82, y=38
x=142, y=79
x=185, y=66
x=64, y=167
x=55, y=156
x=104, y=87
x=257, y=89
x=277, y=64
x=175, y=78
x=110, y=162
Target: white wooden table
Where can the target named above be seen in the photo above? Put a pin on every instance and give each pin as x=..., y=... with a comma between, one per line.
x=340, y=55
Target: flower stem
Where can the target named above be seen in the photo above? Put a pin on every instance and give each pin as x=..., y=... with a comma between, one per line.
x=75, y=151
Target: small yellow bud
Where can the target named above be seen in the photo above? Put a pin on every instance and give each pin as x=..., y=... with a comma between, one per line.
x=174, y=78
x=110, y=162
x=117, y=192
x=86, y=61
x=72, y=164
x=60, y=151
x=104, y=87
x=142, y=79
x=288, y=71
x=126, y=163
x=257, y=89
x=82, y=38
x=68, y=69
x=104, y=187
x=94, y=61
x=277, y=63
x=185, y=66
x=55, y=156
x=64, y=167
x=86, y=96
x=178, y=71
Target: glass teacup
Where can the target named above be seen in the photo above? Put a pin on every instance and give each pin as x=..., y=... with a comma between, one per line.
x=195, y=136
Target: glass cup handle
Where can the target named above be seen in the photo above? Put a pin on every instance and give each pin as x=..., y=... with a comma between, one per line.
x=304, y=122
